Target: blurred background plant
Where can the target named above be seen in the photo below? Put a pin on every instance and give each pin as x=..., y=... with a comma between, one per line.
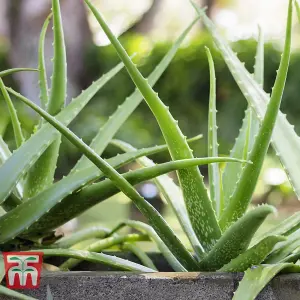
x=148, y=27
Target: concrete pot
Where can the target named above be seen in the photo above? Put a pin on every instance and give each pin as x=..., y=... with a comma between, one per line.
x=106, y=285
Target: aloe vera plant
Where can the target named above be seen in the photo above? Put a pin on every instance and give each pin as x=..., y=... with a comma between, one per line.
x=221, y=229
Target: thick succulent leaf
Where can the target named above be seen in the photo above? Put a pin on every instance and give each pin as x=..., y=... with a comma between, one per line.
x=286, y=227
x=164, y=250
x=198, y=204
x=253, y=256
x=101, y=258
x=236, y=239
x=41, y=175
x=82, y=235
x=284, y=139
x=19, y=138
x=59, y=76
x=117, y=119
x=16, y=70
x=140, y=254
x=250, y=126
x=241, y=197
x=101, y=245
x=24, y=157
x=257, y=278
x=44, y=95
x=173, y=195
x=57, y=209
x=213, y=169
x=285, y=248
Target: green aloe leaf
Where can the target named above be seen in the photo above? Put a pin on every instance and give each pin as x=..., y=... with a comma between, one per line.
x=213, y=169
x=284, y=139
x=173, y=195
x=82, y=235
x=164, y=250
x=101, y=245
x=245, y=187
x=44, y=95
x=16, y=70
x=257, y=278
x=19, y=138
x=253, y=256
x=41, y=175
x=198, y=204
x=25, y=156
x=236, y=239
x=57, y=207
x=285, y=248
x=113, y=261
x=59, y=76
x=140, y=254
x=117, y=119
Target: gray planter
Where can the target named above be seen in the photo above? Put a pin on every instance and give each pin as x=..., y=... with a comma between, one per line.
x=105, y=285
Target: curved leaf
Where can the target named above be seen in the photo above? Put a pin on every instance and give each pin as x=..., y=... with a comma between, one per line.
x=213, y=169
x=253, y=256
x=101, y=245
x=236, y=239
x=165, y=251
x=101, y=258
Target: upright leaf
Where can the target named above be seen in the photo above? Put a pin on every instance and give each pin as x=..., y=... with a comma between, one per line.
x=19, y=138
x=44, y=95
x=117, y=119
x=213, y=169
x=41, y=175
x=244, y=190
x=198, y=204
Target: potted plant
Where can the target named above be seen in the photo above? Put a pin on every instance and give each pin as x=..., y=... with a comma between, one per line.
x=221, y=230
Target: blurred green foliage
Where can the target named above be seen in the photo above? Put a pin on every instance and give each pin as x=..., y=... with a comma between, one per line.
x=184, y=87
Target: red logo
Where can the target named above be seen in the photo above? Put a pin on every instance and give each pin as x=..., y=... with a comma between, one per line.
x=23, y=269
